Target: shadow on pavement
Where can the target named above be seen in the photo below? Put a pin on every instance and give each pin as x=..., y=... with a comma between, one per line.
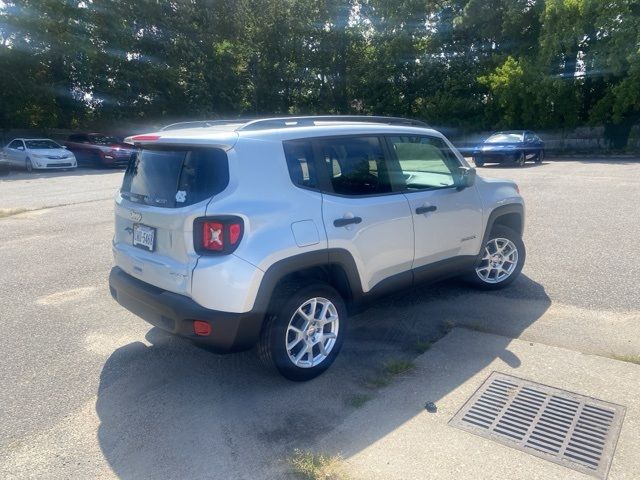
x=21, y=174
x=172, y=410
x=512, y=165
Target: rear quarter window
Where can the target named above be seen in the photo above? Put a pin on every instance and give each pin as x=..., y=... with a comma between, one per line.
x=175, y=177
x=299, y=154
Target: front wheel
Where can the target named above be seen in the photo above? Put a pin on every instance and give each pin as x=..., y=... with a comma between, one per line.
x=501, y=260
x=539, y=157
x=28, y=166
x=478, y=162
x=304, y=335
x=520, y=159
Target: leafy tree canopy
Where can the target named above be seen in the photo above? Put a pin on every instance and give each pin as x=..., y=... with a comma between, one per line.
x=475, y=64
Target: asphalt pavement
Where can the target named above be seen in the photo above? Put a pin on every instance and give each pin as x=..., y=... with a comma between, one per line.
x=88, y=390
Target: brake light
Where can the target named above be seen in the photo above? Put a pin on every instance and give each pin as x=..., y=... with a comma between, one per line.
x=145, y=138
x=217, y=235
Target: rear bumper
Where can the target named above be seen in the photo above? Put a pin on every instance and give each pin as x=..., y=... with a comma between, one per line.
x=175, y=313
x=115, y=161
x=491, y=157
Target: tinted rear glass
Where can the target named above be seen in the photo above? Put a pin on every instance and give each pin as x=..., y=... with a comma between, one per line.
x=175, y=178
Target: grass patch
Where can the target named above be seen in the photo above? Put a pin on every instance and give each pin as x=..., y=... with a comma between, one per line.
x=447, y=326
x=378, y=382
x=477, y=327
x=7, y=212
x=422, y=346
x=397, y=367
x=627, y=358
x=312, y=466
x=358, y=400
x=390, y=369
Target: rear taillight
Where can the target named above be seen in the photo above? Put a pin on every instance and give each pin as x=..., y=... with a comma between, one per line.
x=217, y=235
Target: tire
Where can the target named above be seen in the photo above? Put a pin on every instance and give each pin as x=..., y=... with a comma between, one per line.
x=478, y=162
x=487, y=279
x=520, y=159
x=287, y=325
x=28, y=166
x=539, y=157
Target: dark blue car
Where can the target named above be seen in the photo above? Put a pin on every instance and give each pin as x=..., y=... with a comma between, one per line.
x=515, y=147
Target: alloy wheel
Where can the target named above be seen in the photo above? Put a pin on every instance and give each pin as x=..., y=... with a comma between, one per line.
x=499, y=261
x=312, y=332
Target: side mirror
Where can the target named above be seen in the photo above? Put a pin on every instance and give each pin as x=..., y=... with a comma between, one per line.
x=21, y=148
x=467, y=177
x=64, y=146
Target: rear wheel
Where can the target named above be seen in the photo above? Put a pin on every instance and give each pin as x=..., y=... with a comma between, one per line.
x=304, y=335
x=478, y=162
x=501, y=261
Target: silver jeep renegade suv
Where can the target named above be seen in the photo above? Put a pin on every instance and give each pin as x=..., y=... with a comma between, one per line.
x=271, y=231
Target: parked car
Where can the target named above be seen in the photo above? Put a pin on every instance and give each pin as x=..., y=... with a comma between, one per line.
x=514, y=147
x=5, y=167
x=38, y=153
x=272, y=231
x=96, y=149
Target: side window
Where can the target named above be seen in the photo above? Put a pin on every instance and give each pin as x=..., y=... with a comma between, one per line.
x=15, y=144
x=426, y=162
x=356, y=165
x=299, y=154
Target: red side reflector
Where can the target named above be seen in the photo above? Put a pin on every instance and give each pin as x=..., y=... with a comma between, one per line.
x=145, y=138
x=213, y=236
x=235, y=230
x=201, y=328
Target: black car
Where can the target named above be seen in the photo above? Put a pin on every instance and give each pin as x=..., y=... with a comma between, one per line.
x=514, y=146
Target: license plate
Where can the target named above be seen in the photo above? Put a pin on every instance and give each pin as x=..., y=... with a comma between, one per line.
x=144, y=237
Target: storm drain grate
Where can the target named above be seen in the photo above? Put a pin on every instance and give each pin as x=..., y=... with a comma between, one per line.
x=566, y=428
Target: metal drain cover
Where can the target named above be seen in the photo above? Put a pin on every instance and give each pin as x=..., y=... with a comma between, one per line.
x=572, y=430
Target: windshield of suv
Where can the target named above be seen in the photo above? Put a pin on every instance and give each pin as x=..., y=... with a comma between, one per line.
x=102, y=139
x=505, y=138
x=175, y=178
x=41, y=144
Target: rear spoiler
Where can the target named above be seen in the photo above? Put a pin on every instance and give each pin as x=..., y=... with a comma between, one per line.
x=223, y=140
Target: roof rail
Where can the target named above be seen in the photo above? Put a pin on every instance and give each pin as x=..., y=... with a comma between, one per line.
x=202, y=124
x=284, y=122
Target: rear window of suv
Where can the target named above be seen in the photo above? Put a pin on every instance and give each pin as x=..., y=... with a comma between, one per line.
x=175, y=177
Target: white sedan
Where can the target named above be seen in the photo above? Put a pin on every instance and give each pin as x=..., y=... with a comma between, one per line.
x=38, y=153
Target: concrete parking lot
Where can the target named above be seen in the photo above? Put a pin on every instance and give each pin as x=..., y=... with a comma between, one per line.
x=87, y=390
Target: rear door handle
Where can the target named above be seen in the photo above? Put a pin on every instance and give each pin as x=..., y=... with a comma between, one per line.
x=343, y=222
x=426, y=209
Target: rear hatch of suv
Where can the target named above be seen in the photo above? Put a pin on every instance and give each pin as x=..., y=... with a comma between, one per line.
x=165, y=188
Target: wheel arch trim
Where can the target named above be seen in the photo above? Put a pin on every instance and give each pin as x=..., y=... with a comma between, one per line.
x=502, y=210
x=325, y=258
